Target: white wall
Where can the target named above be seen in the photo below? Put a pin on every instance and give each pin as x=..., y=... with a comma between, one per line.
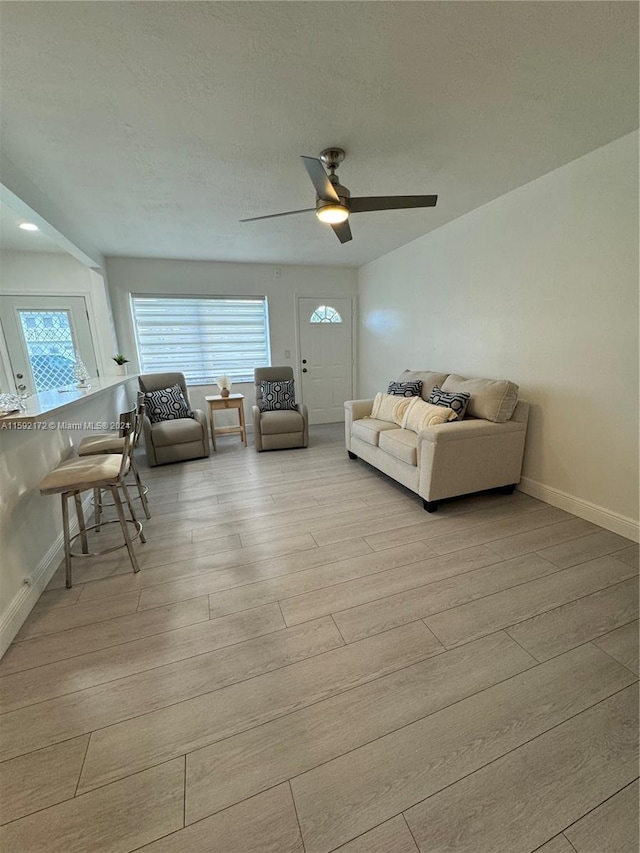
x=56, y=275
x=196, y=278
x=539, y=286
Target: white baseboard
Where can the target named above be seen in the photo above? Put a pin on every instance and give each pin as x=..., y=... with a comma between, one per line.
x=25, y=599
x=614, y=521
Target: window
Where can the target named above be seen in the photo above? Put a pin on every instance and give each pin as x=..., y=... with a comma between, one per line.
x=50, y=347
x=325, y=314
x=202, y=337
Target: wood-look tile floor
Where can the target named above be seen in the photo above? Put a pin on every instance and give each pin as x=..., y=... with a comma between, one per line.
x=308, y=661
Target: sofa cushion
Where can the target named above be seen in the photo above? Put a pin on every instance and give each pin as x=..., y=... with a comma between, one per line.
x=401, y=444
x=405, y=389
x=274, y=423
x=492, y=399
x=166, y=404
x=369, y=429
x=456, y=400
x=390, y=407
x=421, y=415
x=427, y=377
x=177, y=431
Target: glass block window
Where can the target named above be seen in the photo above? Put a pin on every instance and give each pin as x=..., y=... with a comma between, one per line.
x=325, y=314
x=50, y=347
x=202, y=337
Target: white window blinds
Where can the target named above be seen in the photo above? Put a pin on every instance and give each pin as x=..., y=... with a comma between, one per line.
x=202, y=337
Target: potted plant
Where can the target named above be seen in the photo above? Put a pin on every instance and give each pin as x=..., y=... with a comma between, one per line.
x=224, y=384
x=121, y=362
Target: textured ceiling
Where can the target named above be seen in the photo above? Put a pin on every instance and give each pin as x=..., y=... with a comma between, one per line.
x=159, y=125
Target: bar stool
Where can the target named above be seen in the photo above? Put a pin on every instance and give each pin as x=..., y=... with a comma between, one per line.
x=106, y=471
x=109, y=443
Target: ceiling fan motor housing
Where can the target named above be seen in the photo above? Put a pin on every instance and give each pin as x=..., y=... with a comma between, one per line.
x=332, y=157
x=343, y=194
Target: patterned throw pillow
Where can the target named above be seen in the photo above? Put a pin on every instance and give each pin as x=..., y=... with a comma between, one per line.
x=277, y=396
x=168, y=404
x=456, y=400
x=405, y=389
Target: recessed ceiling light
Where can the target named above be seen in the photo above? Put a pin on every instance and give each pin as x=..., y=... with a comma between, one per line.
x=29, y=226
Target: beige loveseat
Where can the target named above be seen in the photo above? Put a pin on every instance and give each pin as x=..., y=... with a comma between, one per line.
x=482, y=451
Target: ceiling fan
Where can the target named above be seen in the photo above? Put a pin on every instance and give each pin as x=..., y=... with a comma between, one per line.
x=334, y=204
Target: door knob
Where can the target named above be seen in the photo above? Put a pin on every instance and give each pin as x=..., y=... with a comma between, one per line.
x=304, y=369
x=22, y=387
x=19, y=376
x=304, y=360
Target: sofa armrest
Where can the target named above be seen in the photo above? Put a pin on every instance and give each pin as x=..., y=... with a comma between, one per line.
x=468, y=429
x=469, y=456
x=358, y=408
x=353, y=411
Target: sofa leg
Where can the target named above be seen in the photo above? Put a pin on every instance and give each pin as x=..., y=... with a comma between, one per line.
x=430, y=506
x=351, y=455
x=507, y=490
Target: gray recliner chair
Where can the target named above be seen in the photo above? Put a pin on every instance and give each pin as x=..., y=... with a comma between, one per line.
x=175, y=440
x=281, y=429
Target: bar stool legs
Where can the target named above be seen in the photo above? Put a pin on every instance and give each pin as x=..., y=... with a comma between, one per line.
x=124, y=525
x=81, y=524
x=142, y=490
x=134, y=518
x=142, y=493
x=97, y=503
x=67, y=539
x=125, y=529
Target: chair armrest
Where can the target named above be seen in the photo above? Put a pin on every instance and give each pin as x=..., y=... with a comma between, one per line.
x=148, y=441
x=200, y=416
x=305, y=417
x=257, y=433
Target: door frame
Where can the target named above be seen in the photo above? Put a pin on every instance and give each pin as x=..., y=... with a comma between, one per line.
x=326, y=299
x=91, y=319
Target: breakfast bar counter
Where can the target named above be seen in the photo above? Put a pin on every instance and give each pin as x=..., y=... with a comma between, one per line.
x=32, y=443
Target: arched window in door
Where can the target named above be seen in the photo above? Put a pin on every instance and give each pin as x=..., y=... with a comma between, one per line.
x=325, y=314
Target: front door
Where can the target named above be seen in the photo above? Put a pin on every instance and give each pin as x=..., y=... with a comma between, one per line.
x=44, y=335
x=326, y=356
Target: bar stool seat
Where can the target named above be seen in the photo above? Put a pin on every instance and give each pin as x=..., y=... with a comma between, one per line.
x=101, y=444
x=113, y=443
x=105, y=471
x=76, y=474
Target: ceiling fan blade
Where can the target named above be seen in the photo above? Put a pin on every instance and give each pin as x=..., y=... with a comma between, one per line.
x=320, y=179
x=391, y=202
x=342, y=231
x=274, y=215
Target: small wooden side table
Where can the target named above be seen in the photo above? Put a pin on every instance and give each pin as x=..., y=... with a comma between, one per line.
x=219, y=403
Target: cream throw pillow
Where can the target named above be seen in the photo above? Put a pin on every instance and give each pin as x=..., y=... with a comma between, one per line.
x=390, y=407
x=421, y=415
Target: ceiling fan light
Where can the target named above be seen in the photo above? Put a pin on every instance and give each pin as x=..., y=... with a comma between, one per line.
x=332, y=213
